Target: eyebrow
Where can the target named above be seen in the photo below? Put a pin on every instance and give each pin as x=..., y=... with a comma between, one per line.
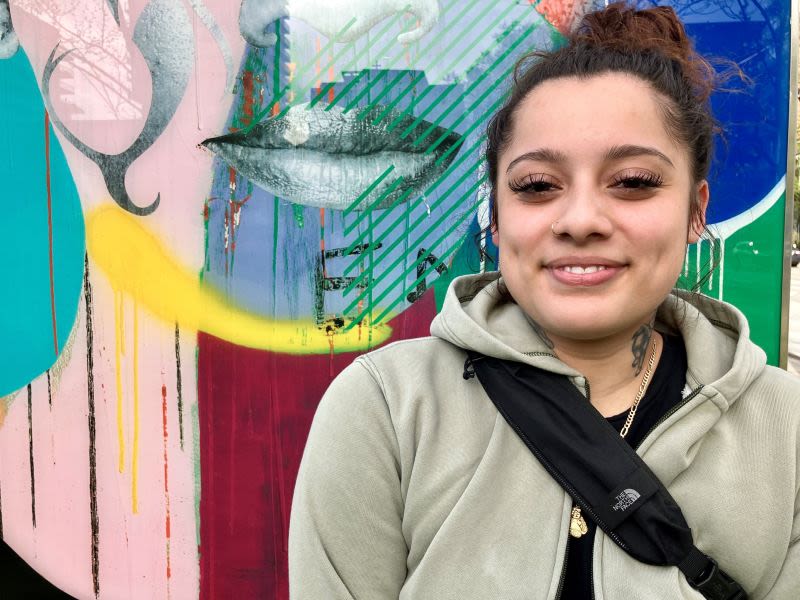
x=540, y=155
x=615, y=153
x=629, y=150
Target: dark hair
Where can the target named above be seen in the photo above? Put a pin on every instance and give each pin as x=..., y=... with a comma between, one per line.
x=650, y=44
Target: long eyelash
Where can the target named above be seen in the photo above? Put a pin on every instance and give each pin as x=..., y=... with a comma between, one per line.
x=527, y=183
x=642, y=179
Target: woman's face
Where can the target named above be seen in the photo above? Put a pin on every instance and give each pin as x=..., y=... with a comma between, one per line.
x=592, y=158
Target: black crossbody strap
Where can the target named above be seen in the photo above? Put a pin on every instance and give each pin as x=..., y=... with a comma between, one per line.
x=599, y=469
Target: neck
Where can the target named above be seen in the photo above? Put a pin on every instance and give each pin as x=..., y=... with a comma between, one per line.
x=613, y=366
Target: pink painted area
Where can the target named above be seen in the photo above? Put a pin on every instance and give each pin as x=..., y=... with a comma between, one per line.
x=133, y=555
x=58, y=546
x=132, y=547
x=41, y=24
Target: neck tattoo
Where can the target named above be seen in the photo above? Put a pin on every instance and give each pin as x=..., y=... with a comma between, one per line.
x=641, y=339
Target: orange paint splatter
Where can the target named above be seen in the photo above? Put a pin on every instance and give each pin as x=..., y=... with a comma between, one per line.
x=561, y=13
x=331, y=75
x=248, y=98
x=168, y=518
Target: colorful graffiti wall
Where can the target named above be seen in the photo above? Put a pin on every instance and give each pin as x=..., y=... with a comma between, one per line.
x=210, y=208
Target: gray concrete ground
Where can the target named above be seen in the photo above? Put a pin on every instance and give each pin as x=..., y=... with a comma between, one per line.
x=794, y=323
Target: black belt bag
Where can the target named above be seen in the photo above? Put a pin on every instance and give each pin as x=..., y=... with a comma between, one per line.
x=599, y=469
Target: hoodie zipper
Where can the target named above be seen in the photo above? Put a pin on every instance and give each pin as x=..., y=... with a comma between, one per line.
x=669, y=413
x=564, y=571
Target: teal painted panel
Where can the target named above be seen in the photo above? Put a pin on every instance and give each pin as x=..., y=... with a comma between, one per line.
x=27, y=297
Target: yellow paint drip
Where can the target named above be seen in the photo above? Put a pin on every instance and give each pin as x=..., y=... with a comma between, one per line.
x=136, y=262
x=135, y=452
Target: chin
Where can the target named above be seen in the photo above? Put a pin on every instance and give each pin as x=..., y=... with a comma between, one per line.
x=584, y=321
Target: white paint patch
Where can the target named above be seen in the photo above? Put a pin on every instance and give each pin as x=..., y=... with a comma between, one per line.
x=730, y=226
x=298, y=129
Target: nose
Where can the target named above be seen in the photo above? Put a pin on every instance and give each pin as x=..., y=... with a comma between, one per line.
x=584, y=215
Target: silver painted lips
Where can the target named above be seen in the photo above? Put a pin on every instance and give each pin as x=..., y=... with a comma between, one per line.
x=328, y=158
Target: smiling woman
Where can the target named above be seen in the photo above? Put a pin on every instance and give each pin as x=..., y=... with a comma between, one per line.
x=421, y=487
x=212, y=208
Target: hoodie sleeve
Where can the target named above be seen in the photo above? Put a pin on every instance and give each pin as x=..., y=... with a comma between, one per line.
x=345, y=537
x=787, y=586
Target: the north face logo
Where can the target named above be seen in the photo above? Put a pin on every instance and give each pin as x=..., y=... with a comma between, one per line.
x=625, y=499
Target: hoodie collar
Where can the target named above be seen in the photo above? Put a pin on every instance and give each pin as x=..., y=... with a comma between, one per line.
x=476, y=315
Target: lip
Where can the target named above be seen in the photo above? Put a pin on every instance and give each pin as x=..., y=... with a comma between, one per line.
x=610, y=269
x=328, y=158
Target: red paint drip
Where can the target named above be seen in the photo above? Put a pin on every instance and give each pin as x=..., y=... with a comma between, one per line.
x=232, y=211
x=248, y=98
x=166, y=475
x=50, y=228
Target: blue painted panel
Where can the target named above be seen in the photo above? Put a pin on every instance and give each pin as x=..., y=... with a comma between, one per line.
x=26, y=316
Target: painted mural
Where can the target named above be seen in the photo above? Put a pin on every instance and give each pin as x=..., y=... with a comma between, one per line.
x=210, y=208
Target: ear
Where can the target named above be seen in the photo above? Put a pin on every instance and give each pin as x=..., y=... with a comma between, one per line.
x=493, y=219
x=697, y=222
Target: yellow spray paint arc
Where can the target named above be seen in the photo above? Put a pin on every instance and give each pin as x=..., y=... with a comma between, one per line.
x=137, y=263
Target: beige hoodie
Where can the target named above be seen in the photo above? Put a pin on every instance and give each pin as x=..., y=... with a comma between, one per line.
x=412, y=485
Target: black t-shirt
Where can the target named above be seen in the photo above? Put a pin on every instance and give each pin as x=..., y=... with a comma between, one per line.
x=664, y=392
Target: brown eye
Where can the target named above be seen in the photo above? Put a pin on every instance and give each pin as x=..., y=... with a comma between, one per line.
x=533, y=184
x=637, y=181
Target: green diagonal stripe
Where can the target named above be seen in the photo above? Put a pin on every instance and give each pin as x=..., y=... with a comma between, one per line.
x=428, y=271
x=387, y=270
x=362, y=216
x=384, y=49
x=393, y=186
x=474, y=84
x=388, y=108
x=367, y=191
x=365, y=91
x=413, y=266
x=376, y=100
x=351, y=61
x=345, y=89
x=442, y=52
x=433, y=186
x=458, y=121
x=401, y=217
x=261, y=114
x=302, y=91
x=500, y=38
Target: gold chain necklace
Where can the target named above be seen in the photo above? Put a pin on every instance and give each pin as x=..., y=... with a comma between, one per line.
x=577, y=524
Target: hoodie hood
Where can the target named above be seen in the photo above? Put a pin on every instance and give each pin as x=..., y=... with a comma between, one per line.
x=721, y=357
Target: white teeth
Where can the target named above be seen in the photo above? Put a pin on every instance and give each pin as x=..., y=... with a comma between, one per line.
x=583, y=270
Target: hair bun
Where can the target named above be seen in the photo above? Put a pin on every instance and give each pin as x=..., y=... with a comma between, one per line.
x=625, y=28
x=620, y=27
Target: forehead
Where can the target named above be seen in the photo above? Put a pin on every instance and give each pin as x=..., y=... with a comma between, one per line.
x=582, y=116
